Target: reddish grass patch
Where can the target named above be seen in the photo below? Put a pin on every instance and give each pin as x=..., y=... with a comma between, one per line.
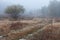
x=17, y=25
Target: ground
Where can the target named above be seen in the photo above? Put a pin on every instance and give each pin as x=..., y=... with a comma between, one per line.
x=27, y=29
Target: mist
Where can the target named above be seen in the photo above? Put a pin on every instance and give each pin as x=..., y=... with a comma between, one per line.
x=32, y=7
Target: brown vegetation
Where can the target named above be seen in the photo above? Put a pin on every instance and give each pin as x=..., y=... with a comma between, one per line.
x=17, y=25
x=52, y=32
x=18, y=29
x=49, y=32
x=4, y=28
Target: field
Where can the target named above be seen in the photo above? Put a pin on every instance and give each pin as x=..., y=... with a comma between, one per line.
x=35, y=29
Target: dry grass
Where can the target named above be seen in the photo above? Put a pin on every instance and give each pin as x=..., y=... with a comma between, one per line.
x=27, y=26
x=49, y=32
x=19, y=29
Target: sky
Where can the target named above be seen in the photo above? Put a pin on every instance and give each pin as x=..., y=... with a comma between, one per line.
x=28, y=4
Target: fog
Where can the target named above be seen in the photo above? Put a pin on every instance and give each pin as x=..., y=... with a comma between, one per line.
x=29, y=5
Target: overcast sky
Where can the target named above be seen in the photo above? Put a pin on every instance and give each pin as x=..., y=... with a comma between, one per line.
x=28, y=4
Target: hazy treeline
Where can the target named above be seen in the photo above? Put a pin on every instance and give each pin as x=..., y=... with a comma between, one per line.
x=52, y=10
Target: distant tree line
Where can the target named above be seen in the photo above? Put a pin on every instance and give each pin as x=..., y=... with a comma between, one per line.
x=52, y=10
